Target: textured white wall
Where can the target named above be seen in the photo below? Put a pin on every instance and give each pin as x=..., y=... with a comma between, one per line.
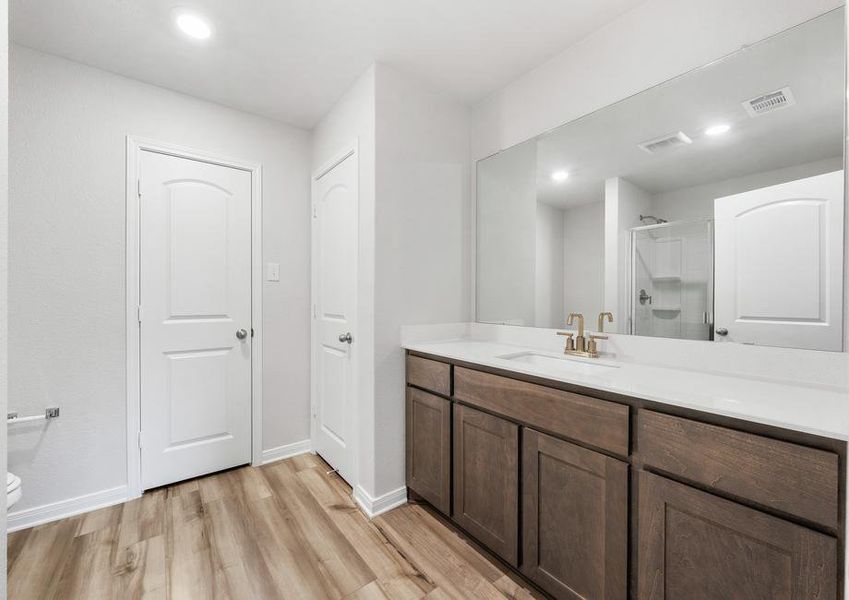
x=413, y=223
x=352, y=120
x=548, y=267
x=583, y=263
x=697, y=202
x=653, y=42
x=421, y=275
x=506, y=232
x=66, y=282
x=4, y=239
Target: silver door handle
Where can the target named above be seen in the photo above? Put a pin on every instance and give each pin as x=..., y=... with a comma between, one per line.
x=346, y=337
x=721, y=331
x=241, y=334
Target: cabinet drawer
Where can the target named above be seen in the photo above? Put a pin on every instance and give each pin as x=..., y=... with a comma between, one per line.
x=787, y=477
x=595, y=422
x=429, y=374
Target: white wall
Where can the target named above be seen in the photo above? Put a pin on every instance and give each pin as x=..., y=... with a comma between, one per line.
x=624, y=202
x=4, y=239
x=352, y=120
x=697, y=202
x=413, y=236
x=505, y=231
x=67, y=254
x=422, y=275
x=647, y=45
x=548, y=273
x=583, y=264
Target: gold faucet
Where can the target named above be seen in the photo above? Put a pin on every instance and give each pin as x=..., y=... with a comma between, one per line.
x=580, y=346
x=580, y=340
x=601, y=317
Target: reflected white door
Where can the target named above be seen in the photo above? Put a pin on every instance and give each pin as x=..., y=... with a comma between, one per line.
x=195, y=298
x=335, y=255
x=779, y=264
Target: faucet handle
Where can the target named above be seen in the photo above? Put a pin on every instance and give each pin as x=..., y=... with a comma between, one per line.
x=592, y=347
x=570, y=342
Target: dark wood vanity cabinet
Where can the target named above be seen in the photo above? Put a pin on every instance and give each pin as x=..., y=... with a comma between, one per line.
x=692, y=544
x=574, y=519
x=612, y=497
x=486, y=480
x=428, y=455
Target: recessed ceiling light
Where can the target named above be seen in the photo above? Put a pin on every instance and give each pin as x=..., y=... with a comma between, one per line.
x=559, y=176
x=194, y=26
x=717, y=129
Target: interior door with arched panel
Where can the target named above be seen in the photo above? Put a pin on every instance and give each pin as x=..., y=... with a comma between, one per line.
x=195, y=317
x=779, y=264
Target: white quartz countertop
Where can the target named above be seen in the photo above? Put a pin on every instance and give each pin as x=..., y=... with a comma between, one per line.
x=819, y=410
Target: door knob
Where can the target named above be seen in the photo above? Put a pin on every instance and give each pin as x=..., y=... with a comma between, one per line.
x=346, y=337
x=241, y=334
x=721, y=331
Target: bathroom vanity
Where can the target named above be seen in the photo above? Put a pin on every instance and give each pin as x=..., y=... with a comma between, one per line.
x=700, y=451
x=593, y=493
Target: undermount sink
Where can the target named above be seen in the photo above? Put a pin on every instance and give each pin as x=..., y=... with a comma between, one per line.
x=564, y=364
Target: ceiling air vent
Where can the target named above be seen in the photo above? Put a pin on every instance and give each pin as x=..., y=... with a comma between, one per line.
x=665, y=143
x=769, y=102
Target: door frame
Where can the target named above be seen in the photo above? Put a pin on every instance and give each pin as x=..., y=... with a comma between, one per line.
x=135, y=146
x=348, y=150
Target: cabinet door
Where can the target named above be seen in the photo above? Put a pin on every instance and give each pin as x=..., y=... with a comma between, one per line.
x=486, y=480
x=696, y=545
x=574, y=519
x=429, y=448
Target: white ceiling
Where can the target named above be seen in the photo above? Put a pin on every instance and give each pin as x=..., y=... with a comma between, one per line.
x=809, y=59
x=292, y=59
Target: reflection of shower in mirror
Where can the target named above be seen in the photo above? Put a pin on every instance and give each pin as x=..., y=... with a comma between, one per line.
x=672, y=279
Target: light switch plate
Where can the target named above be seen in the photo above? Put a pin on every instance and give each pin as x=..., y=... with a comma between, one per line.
x=272, y=272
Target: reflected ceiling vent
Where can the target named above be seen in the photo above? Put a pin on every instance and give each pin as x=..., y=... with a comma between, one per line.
x=769, y=102
x=665, y=143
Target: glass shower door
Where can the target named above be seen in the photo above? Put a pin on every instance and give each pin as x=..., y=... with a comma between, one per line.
x=672, y=280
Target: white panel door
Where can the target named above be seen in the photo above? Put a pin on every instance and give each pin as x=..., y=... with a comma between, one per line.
x=779, y=264
x=195, y=314
x=335, y=256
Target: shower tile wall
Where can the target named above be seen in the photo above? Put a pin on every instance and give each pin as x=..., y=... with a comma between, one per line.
x=673, y=266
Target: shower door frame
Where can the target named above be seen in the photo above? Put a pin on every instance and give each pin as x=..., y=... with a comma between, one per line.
x=632, y=270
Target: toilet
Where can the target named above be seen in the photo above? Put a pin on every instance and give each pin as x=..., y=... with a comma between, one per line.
x=13, y=489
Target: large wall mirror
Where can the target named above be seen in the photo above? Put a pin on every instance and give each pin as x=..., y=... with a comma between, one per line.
x=710, y=207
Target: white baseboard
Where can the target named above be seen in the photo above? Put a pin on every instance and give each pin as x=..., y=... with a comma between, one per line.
x=30, y=517
x=377, y=506
x=286, y=451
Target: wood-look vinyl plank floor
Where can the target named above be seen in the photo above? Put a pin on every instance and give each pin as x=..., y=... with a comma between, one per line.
x=284, y=530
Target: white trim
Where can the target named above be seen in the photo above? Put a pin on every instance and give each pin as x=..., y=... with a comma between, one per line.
x=286, y=451
x=30, y=517
x=373, y=507
x=351, y=149
x=135, y=145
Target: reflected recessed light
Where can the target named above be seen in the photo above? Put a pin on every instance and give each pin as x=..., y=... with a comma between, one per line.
x=717, y=129
x=560, y=176
x=193, y=26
